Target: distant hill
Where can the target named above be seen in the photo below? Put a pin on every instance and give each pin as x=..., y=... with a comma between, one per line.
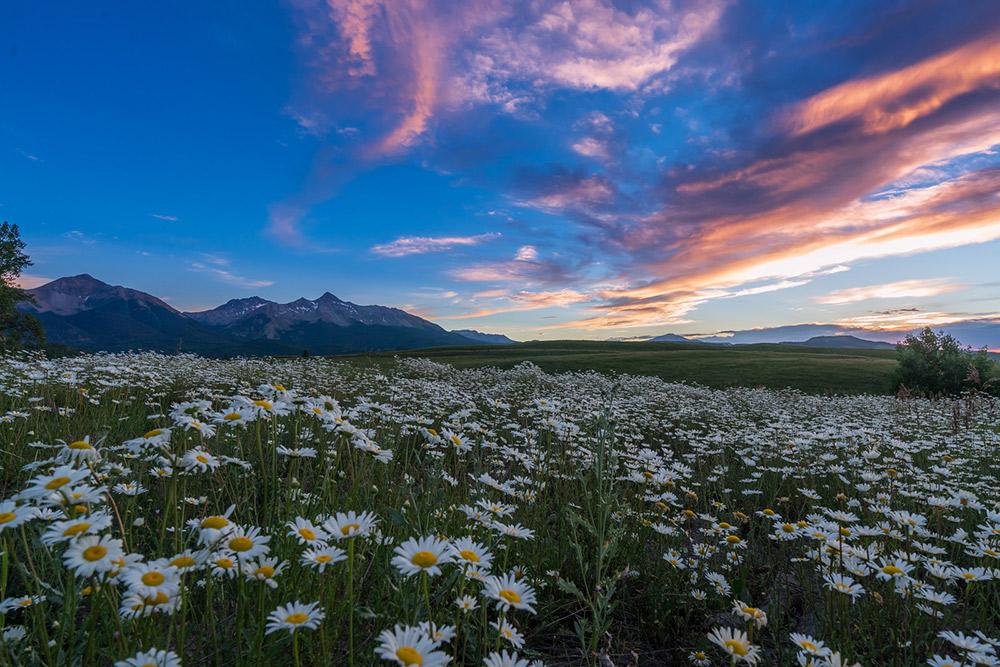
x=672, y=338
x=87, y=314
x=485, y=338
x=847, y=342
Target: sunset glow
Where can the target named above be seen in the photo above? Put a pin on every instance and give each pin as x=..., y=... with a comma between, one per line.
x=541, y=169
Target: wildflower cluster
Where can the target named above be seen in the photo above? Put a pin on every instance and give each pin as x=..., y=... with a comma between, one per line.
x=175, y=510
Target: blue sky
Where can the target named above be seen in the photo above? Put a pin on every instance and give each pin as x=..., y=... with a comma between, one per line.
x=544, y=169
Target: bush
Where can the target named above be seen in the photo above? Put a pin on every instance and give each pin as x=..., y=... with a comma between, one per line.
x=935, y=364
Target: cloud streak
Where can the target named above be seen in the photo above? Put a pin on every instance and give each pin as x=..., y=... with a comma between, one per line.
x=421, y=245
x=227, y=276
x=897, y=290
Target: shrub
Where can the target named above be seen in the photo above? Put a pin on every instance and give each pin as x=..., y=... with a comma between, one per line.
x=936, y=364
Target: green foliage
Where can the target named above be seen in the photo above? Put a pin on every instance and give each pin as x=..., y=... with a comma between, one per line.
x=935, y=364
x=17, y=328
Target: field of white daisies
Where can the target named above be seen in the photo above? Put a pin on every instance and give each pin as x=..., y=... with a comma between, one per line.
x=174, y=510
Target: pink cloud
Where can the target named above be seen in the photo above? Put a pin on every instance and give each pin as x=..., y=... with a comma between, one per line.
x=513, y=302
x=595, y=44
x=401, y=64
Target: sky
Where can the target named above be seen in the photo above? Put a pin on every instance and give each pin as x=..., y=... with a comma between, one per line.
x=544, y=169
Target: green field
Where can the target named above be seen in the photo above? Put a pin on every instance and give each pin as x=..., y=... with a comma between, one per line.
x=814, y=370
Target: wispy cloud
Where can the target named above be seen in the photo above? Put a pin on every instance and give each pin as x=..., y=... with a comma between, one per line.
x=896, y=290
x=405, y=64
x=829, y=190
x=420, y=245
x=166, y=218
x=911, y=319
x=525, y=268
x=520, y=301
x=228, y=276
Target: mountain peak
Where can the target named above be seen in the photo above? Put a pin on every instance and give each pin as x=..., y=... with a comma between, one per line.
x=81, y=282
x=486, y=338
x=73, y=294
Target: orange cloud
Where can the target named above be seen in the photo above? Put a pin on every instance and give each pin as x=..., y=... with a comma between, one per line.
x=824, y=199
x=895, y=99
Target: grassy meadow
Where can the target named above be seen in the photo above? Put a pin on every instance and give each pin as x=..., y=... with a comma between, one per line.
x=776, y=366
x=174, y=510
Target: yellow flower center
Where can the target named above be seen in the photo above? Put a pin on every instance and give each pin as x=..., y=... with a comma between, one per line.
x=968, y=575
x=183, y=561
x=279, y=387
x=80, y=444
x=76, y=529
x=307, y=533
x=297, y=618
x=809, y=646
x=892, y=569
x=56, y=483
x=510, y=596
x=232, y=416
x=215, y=522
x=725, y=526
x=96, y=552
x=159, y=598
x=224, y=563
x=768, y=511
x=152, y=434
x=241, y=543
x=153, y=578
x=267, y=405
x=469, y=555
x=409, y=656
x=349, y=528
x=323, y=558
x=7, y=517
x=733, y=539
x=265, y=570
x=424, y=559
x=788, y=528
x=457, y=441
x=201, y=458
x=737, y=647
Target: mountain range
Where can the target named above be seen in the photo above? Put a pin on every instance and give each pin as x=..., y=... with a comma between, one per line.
x=90, y=315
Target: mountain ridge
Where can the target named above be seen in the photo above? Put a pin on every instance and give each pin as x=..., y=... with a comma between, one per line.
x=88, y=314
